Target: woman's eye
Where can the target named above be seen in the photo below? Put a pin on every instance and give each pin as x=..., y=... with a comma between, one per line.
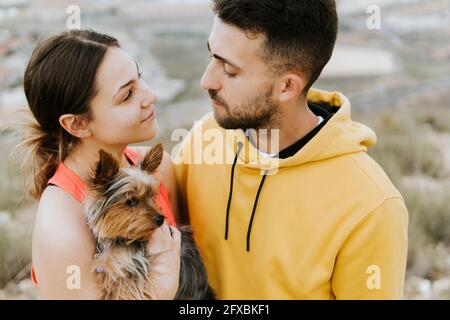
x=128, y=96
x=130, y=92
x=132, y=202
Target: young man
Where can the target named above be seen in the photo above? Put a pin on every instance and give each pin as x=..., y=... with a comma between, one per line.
x=311, y=216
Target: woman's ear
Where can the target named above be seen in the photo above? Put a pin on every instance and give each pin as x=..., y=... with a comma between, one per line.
x=289, y=87
x=76, y=125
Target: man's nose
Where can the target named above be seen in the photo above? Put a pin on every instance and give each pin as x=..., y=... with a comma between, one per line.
x=210, y=79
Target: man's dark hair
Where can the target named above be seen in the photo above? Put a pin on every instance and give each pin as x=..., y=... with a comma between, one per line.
x=299, y=34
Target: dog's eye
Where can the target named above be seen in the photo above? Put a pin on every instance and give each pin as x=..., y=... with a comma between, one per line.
x=132, y=202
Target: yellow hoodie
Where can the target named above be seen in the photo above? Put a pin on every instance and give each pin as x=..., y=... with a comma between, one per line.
x=326, y=223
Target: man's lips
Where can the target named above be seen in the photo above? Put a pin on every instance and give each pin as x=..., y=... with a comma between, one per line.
x=151, y=115
x=216, y=103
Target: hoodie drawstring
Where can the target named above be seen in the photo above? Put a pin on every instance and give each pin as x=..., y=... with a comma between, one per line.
x=230, y=196
x=254, y=210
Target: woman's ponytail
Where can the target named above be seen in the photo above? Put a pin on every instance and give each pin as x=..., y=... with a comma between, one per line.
x=40, y=152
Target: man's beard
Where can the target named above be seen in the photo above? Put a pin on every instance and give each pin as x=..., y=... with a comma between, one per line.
x=258, y=113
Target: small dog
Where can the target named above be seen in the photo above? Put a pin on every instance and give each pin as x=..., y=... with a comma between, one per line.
x=122, y=214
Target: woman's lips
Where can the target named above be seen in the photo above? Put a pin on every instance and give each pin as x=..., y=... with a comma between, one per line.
x=150, y=117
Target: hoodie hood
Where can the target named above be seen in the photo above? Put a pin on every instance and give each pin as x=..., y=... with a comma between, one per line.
x=340, y=136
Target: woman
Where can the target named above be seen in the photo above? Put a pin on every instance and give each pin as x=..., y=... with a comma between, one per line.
x=87, y=94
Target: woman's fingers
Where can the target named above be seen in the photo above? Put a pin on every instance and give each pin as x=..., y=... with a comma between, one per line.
x=176, y=236
x=164, y=238
x=165, y=228
x=164, y=249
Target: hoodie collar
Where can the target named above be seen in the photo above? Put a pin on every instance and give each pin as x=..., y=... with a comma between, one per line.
x=339, y=136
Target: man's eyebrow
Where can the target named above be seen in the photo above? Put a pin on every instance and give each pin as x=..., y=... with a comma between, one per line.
x=129, y=82
x=222, y=58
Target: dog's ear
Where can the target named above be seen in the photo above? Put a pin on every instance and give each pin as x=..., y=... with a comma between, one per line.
x=153, y=158
x=105, y=170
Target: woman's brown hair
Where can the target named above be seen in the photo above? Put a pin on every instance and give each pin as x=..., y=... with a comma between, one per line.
x=60, y=79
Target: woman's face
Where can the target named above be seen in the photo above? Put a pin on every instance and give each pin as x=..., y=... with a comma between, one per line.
x=123, y=108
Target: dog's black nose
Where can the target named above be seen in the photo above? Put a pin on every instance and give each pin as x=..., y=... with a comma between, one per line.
x=159, y=220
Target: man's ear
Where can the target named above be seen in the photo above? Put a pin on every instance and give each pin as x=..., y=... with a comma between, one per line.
x=105, y=170
x=290, y=86
x=153, y=158
x=76, y=125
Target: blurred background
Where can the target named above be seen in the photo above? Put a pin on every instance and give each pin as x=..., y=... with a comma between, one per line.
x=395, y=70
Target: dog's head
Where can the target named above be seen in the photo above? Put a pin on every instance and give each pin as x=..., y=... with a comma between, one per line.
x=123, y=201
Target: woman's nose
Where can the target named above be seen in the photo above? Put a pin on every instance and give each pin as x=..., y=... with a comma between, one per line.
x=148, y=101
x=149, y=98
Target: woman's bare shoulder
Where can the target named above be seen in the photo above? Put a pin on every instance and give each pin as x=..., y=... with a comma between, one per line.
x=57, y=208
x=60, y=224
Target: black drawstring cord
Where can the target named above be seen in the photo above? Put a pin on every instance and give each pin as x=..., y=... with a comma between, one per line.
x=255, y=204
x=230, y=195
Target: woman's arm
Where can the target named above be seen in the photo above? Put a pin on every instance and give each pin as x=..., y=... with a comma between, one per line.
x=63, y=249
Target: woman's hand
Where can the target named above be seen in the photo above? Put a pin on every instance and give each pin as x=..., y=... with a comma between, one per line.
x=164, y=256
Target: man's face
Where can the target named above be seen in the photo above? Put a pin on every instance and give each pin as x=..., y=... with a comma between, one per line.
x=237, y=79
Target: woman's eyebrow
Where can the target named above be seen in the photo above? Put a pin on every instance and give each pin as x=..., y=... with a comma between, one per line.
x=137, y=66
x=129, y=82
